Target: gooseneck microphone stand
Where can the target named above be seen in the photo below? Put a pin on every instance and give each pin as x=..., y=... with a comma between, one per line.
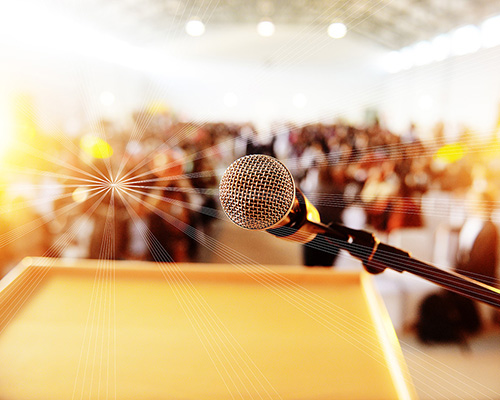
x=377, y=256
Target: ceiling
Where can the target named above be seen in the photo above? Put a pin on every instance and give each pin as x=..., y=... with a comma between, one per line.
x=391, y=23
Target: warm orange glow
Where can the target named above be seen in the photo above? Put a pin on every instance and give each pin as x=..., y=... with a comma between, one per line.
x=6, y=131
x=80, y=195
x=168, y=164
x=450, y=153
x=491, y=150
x=25, y=125
x=5, y=134
x=158, y=108
x=95, y=147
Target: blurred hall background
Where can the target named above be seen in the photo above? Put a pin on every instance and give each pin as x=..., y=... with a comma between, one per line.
x=118, y=118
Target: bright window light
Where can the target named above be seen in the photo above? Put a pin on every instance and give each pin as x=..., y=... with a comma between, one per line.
x=407, y=58
x=39, y=28
x=465, y=40
x=195, y=27
x=490, y=32
x=422, y=53
x=441, y=47
x=265, y=28
x=337, y=30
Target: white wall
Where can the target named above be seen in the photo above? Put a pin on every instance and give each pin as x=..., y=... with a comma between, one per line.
x=66, y=92
x=193, y=76
x=265, y=74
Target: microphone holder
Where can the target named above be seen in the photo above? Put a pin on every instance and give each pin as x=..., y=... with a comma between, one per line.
x=377, y=256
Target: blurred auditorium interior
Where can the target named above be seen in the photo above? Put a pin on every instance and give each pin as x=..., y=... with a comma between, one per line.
x=118, y=118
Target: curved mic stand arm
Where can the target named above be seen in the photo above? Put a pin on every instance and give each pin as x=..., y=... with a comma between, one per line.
x=376, y=257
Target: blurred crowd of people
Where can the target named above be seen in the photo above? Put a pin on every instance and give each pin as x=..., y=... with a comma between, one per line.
x=165, y=183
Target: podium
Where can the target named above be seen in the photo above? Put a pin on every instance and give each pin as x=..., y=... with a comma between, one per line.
x=103, y=329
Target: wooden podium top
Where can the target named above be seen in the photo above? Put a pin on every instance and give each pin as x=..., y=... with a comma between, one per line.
x=134, y=330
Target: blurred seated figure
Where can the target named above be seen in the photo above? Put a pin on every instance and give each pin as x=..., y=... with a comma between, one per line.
x=478, y=247
x=203, y=179
x=329, y=202
x=23, y=233
x=172, y=215
x=170, y=243
x=378, y=193
x=110, y=237
x=405, y=211
x=449, y=317
x=203, y=202
x=478, y=240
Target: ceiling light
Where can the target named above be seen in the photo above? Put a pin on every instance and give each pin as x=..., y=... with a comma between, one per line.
x=337, y=30
x=465, y=40
x=195, y=27
x=265, y=28
x=490, y=32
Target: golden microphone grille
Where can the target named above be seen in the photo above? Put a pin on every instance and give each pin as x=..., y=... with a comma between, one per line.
x=256, y=191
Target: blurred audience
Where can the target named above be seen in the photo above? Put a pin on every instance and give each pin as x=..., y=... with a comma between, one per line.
x=353, y=174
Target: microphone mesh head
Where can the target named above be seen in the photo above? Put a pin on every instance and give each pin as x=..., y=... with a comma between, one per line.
x=256, y=191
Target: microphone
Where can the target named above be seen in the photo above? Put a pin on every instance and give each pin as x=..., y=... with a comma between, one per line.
x=257, y=192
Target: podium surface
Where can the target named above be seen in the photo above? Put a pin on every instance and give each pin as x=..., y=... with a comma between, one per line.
x=135, y=330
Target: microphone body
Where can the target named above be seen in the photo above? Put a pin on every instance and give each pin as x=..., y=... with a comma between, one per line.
x=299, y=224
x=258, y=192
